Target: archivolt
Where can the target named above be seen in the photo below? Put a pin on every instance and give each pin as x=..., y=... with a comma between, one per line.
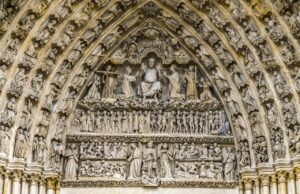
x=247, y=41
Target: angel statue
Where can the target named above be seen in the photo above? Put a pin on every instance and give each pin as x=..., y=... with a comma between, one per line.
x=150, y=85
x=127, y=89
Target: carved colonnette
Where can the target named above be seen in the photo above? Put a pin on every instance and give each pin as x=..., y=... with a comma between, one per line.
x=271, y=64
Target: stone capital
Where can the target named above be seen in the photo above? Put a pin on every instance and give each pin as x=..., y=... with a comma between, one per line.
x=282, y=176
x=274, y=178
x=265, y=180
x=16, y=175
x=34, y=179
x=50, y=183
x=248, y=184
x=297, y=173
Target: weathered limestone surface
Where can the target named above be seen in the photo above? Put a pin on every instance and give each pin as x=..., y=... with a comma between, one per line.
x=139, y=190
x=167, y=94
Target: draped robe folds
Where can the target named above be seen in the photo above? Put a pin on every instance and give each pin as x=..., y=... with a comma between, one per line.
x=150, y=86
x=135, y=164
x=165, y=159
x=191, y=93
x=229, y=166
x=109, y=87
x=71, y=166
x=127, y=89
x=93, y=92
x=174, y=86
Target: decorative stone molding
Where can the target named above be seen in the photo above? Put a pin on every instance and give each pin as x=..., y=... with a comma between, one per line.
x=54, y=56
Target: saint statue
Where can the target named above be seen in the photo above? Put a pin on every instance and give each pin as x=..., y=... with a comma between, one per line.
x=109, y=81
x=71, y=162
x=135, y=162
x=174, y=83
x=191, y=89
x=93, y=92
x=39, y=149
x=166, y=157
x=127, y=89
x=150, y=85
x=228, y=161
x=150, y=158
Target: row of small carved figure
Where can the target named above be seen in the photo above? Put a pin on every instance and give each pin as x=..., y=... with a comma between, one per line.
x=188, y=122
x=148, y=161
x=183, y=170
x=119, y=150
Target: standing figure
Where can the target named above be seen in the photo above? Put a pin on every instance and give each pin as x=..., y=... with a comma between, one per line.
x=228, y=161
x=135, y=162
x=149, y=161
x=71, y=162
x=174, y=83
x=21, y=143
x=109, y=81
x=39, y=149
x=166, y=157
x=191, y=89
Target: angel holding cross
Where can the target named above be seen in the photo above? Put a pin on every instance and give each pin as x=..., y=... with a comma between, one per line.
x=110, y=81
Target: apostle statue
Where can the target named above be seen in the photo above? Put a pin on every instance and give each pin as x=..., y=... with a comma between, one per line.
x=135, y=162
x=166, y=158
x=174, y=83
x=191, y=89
x=150, y=161
x=150, y=85
x=228, y=160
x=21, y=143
x=39, y=149
x=71, y=162
x=127, y=89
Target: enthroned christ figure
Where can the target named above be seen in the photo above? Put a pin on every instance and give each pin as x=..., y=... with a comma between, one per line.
x=150, y=85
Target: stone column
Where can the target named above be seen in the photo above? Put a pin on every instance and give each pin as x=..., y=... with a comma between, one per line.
x=7, y=184
x=33, y=185
x=57, y=187
x=248, y=186
x=24, y=189
x=257, y=186
x=1, y=183
x=241, y=187
x=266, y=184
x=42, y=189
x=50, y=186
x=16, y=188
x=274, y=184
x=292, y=181
x=282, y=180
x=297, y=172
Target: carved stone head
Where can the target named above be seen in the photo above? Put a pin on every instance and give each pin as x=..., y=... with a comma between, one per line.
x=151, y=62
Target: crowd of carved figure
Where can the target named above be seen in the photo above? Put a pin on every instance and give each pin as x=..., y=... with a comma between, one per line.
x=150, y=162
x=152, y=81
x=157, y=121
x=249, y=49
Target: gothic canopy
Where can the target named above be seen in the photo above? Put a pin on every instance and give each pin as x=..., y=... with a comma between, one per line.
x=160, y=93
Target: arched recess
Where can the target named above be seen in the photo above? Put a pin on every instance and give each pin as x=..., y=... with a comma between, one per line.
x=204, y=49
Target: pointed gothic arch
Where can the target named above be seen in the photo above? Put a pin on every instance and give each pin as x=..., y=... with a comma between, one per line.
x=253, y=46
